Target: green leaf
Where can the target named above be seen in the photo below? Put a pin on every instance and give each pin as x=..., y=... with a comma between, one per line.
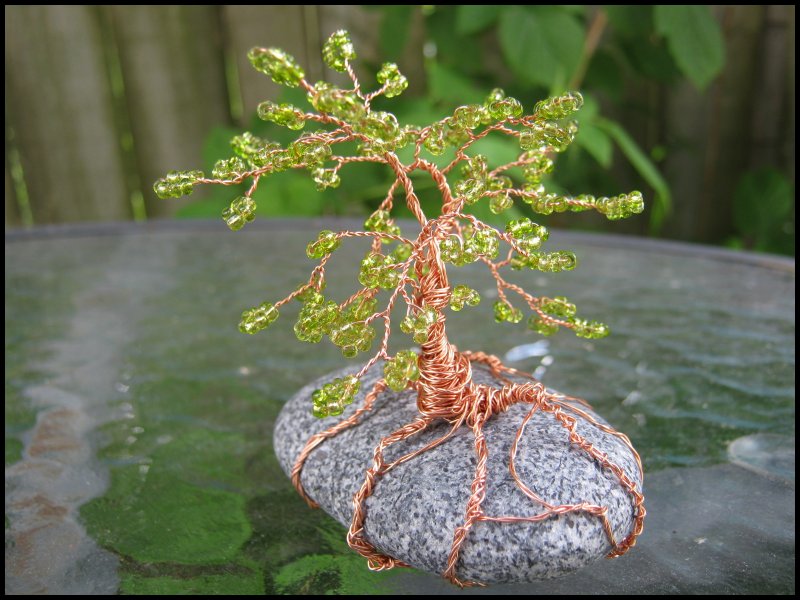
x=762, y=202
x=695, y=40
x=630, y=20
x=471, y=18
x=596, y=142
x=645, y=167
x=450, y=87
x=542, y=44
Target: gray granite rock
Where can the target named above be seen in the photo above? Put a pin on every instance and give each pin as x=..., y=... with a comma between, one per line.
x=416, y=507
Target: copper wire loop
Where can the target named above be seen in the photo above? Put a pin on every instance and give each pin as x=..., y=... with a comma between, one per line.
x=445, y=389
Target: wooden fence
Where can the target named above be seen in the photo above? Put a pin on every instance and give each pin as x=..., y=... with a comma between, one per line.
x=100, y=100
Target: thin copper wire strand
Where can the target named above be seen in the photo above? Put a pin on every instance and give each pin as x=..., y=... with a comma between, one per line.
x=317, y=439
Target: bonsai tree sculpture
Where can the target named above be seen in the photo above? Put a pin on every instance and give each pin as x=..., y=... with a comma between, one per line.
x=416, y=269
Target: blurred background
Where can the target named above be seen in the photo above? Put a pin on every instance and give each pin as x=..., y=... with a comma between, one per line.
x=693, y=105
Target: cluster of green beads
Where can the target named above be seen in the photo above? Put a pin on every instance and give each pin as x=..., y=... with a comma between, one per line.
x=581, y=327
x=338, y=50
x=500, y=107
x=317, y=318
x=252, y=148
x=547, y=204
x=310, y=150
x=326, y=242
x=229, y=168
x=401, y=369
x=504, y=312
x=330, y=400
x=529, y=236
x=378, y=271
x=484, y=242
x=258, y=318
x=320, y=317
x=418, y=325
x=381, y=222
x=476, y=180
x=548, y=262
x=276, y=63
x=176, y=184
x=352, y=337
x=285, y=115
x=242, y=210
x=548, y=134
x=453, y=131
x=383, y=132
x=542, y=326
x=558, y=306
x=538, y=165
x=558, y=107
x=592, y=330
x=325, y=178
x=616, y=207
x=464, y=295
x=392, y=80
x=343, y=104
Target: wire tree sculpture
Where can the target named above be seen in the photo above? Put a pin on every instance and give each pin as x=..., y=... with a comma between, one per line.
x=415, y=271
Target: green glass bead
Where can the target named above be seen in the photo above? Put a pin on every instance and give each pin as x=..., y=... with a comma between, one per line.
x=319, y=411
x=520, y=228
x=559, y=306
x=256, y=319
x=635, y=202
x=435, y=142
x=338, y=50
x=528, y=140
x=504, y=108
x=280, y=66
x=407, y=324
x=463, y=295
x=381, y=126
x=450, y=249
x=589, y=329
x=325, y=178
x=470, y=190
x=500, y=203
x=567, y=260
x=392, y=80
x=558, y=107
x=486, y=242
x=495, y=95
x=361, y=309
x=506, y=312
x=326, y=242
x=541, y=326
x=381, y=222
x=285, y=115
x=248, y=146
x=402, y=252
x=401, y=369
x=500, y=182
x=229, y=168
x=475, y=167
x=241, y=210
x=310, y=150
x=344, y=104
x=468, y=117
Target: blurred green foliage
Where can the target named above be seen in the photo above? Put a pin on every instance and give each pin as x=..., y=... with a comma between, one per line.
x=532, y=52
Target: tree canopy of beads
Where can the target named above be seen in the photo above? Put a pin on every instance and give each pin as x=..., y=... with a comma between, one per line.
x=414, y=269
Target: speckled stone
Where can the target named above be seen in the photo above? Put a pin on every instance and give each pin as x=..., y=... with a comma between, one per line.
x=416, y=507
